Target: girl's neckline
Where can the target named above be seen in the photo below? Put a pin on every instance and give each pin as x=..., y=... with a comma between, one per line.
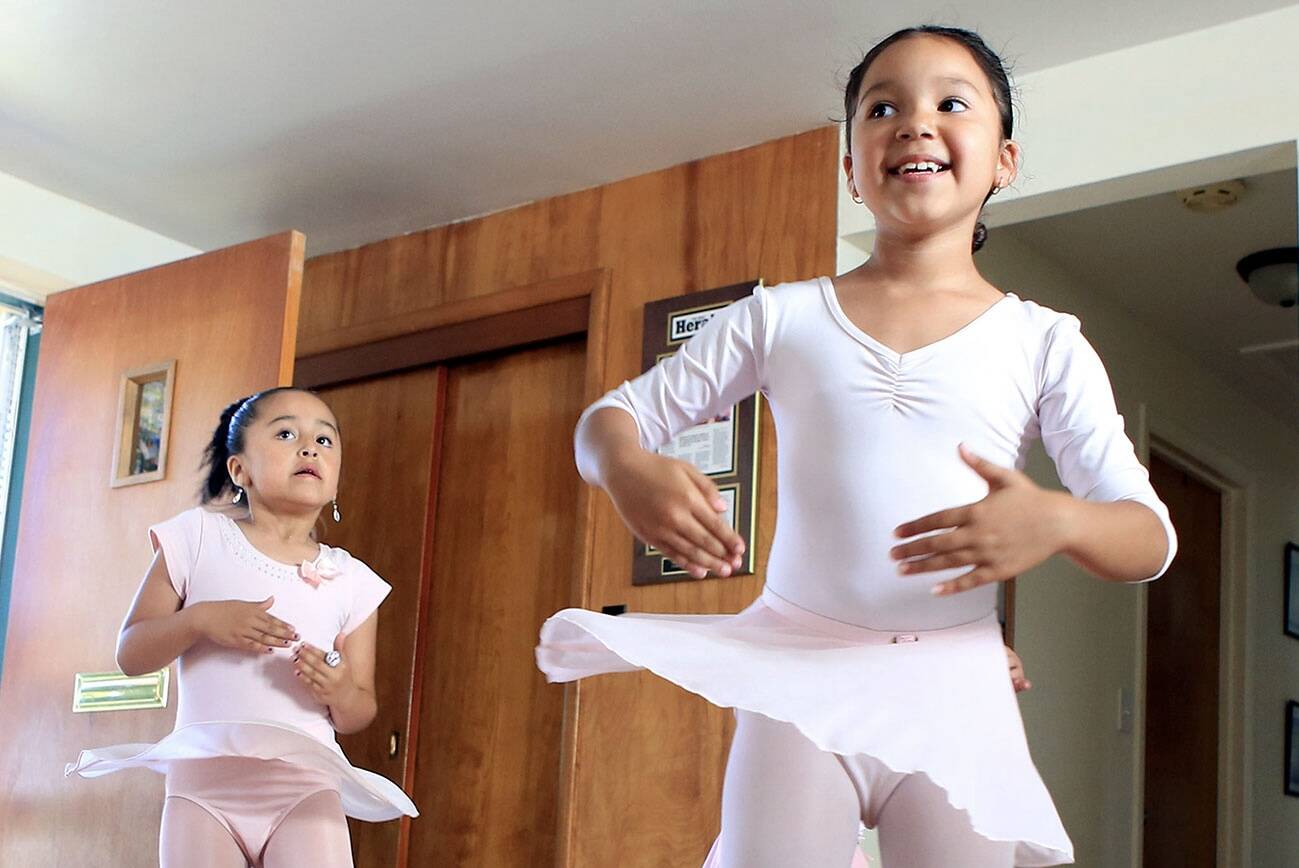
x=836, y=310
x=258, y=553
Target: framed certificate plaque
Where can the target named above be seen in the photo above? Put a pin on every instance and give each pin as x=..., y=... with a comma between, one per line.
x=724, y=447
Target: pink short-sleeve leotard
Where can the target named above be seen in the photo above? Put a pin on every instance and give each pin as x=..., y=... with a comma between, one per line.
x=867, y=441
x=237, y=703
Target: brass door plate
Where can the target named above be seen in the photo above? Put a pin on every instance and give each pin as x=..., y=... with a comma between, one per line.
x=113, y=691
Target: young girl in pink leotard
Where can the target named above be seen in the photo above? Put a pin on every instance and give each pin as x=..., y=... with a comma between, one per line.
x=274, y=634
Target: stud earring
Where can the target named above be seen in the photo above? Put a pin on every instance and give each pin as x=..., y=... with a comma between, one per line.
x=338, y=516
x=239, y=494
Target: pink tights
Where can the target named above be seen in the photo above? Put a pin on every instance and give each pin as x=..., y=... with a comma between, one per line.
x=235, y=812
x=787, y=802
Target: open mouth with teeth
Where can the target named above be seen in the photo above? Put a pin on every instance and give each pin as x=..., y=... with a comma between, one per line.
x=307, y=471
x=928, y=167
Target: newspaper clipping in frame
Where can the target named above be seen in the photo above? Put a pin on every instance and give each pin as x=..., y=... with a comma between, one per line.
x=724, y=447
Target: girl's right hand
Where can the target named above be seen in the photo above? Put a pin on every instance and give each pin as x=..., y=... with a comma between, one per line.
x=1017, y=677
x=673, y=507
x=243, y=626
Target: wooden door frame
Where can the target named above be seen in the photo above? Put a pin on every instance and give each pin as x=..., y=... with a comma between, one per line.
x=499, y=321
x=456, y=330
x=1235, y=484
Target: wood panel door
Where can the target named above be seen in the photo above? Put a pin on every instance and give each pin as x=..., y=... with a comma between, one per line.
x=229, y=320
x=390, y=430
x=1181, y=760
x=488, y=754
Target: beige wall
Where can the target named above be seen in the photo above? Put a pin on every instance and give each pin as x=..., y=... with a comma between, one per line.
x=1063, y=617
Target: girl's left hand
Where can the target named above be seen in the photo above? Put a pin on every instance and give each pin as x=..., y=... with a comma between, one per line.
x=1014, y=528
x=330, y=685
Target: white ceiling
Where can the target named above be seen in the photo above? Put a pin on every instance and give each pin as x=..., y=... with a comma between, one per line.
x=1175, y=271
x=214, y=123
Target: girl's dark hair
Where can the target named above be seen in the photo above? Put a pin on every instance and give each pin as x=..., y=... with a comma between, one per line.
x=989, y=61
x=228, y=439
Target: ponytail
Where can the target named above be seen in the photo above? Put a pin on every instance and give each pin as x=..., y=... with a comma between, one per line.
x=215, y=456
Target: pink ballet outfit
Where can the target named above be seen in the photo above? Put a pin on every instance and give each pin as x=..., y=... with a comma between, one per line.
x=862, y=661
x=250, y=741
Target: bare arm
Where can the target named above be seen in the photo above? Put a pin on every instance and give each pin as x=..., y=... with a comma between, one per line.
x=664, y=502
x=157, y=629
x=1121, y=541
x=603, y=438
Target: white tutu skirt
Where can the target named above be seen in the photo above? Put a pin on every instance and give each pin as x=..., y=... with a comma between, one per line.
x=942, y=704
x=365, y=795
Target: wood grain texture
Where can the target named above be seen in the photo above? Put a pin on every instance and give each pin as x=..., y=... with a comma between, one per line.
x=389, y=431
x=487, y=764
x=467, y=310
x=533, y=324
x=82, y=546
x=643, y=760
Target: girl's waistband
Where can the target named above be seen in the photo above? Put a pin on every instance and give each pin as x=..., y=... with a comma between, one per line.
x=869, y=635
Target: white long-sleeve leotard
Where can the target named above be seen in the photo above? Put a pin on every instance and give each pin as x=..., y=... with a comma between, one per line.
x=868, y=436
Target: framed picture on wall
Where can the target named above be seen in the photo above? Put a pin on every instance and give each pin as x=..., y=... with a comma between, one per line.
x=1291, y=748
x=143, y=422
x=1292, y=590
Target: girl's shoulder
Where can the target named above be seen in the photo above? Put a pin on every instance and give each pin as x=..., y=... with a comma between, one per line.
x=348, y=564
x=189, y=522
x=1037, y=322
x=793, y=293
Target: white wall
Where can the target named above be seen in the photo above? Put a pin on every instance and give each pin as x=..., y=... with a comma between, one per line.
x=1179, y=100
x=49, y=242
x=1079, y=637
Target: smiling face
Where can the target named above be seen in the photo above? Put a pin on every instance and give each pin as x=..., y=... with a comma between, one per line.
x=926, y=138
x=292, y=454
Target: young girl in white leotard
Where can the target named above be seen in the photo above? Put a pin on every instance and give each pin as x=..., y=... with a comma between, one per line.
x=275, y=636
x=869, y=680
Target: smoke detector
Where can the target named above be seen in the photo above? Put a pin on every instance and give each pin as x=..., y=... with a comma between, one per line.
x=1208, y=198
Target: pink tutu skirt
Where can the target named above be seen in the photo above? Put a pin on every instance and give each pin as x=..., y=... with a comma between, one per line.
x=932, y=701
x=365, y=795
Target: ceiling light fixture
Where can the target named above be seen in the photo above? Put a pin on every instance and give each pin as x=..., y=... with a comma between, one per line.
x=1272, y=275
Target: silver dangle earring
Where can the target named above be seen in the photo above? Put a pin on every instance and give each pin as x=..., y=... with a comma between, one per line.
x=239, y=495
x=338, y=516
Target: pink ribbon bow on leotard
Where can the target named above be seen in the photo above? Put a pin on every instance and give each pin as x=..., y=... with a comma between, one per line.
x=322, y=569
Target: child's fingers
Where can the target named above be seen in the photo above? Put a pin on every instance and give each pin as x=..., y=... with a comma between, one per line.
x=312, y=677
x=955, y=517
x=706, y=487
x=973, y=579
x=730, y=543
x=705, y=549
x=314, y=669
x=937, y=543
x=683, y=553
x=274, y=627
x=281, y=626
x=712, y=517
x=709, y=532
x=934, y=563
x=255, y=641
x=310, y=652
